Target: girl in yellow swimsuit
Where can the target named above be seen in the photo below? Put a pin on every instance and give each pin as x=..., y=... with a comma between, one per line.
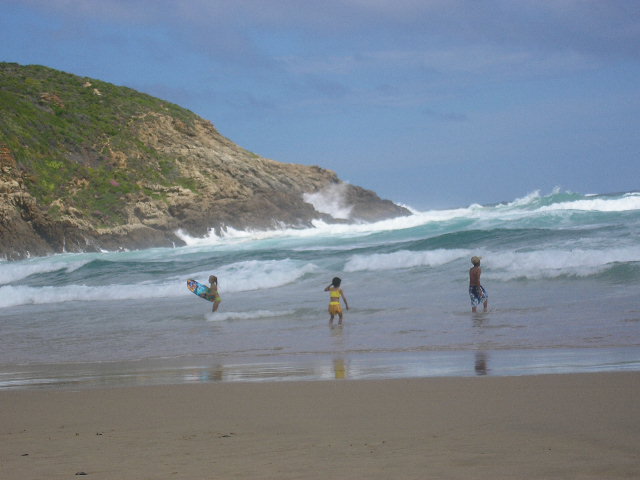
x=335, y=293
x=213, y=292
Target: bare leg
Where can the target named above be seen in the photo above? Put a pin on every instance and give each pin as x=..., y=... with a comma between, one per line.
x=486, y=304
x=215, y=306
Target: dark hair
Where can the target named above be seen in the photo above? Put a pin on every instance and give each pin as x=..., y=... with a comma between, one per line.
x=336, y=282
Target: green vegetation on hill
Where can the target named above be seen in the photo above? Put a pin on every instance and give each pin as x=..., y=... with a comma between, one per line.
x=86, y=165
x=63, y=130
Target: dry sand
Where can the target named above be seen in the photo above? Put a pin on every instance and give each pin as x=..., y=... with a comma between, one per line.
x=584, y=426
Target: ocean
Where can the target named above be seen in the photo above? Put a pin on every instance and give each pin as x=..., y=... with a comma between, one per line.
x=562, y=272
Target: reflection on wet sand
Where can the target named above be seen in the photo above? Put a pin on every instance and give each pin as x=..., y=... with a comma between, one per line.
x=481, y=363
x=333, y=365
x=339, y=368
x=481, y=356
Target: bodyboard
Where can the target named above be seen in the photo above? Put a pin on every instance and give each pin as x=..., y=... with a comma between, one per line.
x=199, y=289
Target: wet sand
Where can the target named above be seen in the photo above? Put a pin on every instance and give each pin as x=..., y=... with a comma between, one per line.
x=573, y=426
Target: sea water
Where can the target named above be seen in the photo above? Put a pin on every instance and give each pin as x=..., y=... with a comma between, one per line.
x=562, y=272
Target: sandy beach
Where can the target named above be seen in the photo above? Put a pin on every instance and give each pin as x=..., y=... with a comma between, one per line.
x=536, y=427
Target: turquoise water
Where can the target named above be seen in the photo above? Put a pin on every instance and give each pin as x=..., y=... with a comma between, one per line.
x=562, y=272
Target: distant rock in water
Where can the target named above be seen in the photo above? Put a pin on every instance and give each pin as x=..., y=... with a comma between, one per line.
x=86, y=166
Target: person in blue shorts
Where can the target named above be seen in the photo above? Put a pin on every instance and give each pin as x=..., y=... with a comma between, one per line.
x=477, y=293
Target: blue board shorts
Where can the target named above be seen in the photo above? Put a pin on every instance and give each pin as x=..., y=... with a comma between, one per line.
x=477, y=294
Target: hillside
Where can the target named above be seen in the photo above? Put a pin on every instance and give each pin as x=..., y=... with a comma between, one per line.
x=87, y=165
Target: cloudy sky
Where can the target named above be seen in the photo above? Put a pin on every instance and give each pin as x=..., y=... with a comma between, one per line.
x=432, y=103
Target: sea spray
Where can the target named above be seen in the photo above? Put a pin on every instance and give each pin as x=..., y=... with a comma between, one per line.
x=331, y=200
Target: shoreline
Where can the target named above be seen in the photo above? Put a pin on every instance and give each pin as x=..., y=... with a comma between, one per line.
x=204, y=369
x=581, y=426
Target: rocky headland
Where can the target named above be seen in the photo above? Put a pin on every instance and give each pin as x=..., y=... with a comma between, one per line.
x=87, y=166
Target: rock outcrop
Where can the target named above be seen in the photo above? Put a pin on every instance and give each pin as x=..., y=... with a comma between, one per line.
x=133, y=202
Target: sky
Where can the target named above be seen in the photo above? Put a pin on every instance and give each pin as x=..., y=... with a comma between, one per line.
x=430, y=103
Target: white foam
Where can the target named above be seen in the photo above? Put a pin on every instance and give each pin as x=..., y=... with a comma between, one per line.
x=321, y=229
x=15, y=271
x=235, y=277
x=590, y=202
x=331, y=200
x=555, y=263
x=528, y=199
x=403, y=259
x=626, y=203
x=257, y=274
x=13, y=296
x=519, y=209
x=251, y=315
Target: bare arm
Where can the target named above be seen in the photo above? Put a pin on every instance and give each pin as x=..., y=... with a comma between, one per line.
x=344, y=299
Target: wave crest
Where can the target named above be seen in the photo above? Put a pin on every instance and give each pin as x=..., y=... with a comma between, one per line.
x=548, y=264
x=403, y=259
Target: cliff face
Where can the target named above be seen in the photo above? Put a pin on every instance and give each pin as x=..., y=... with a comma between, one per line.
x=85, y=165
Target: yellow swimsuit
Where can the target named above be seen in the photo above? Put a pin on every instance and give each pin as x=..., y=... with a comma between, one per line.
x=214, y=297
x=334, y=302
x=335, y=296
